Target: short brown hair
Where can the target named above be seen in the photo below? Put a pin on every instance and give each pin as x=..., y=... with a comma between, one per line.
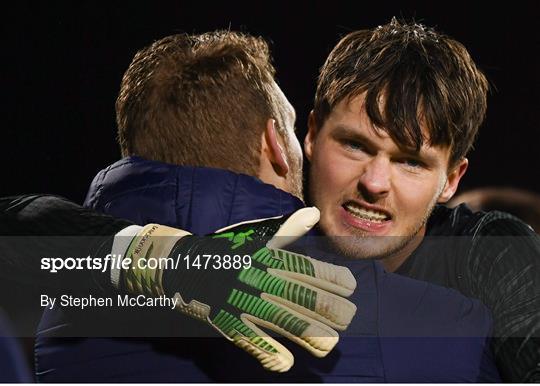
x=421, y=75
x=198, y=100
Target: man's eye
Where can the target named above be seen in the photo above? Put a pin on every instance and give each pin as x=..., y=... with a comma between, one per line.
x=412, y=163
x=352, y=145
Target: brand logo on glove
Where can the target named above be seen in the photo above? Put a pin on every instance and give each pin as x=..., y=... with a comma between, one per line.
x=237, y=239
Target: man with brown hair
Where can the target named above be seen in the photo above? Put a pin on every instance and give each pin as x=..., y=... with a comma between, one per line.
x=407, y=103
x=396, y=110
x=202, y=110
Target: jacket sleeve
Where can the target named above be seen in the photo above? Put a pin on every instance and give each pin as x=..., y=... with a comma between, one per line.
x=34, y=227
x=504, y=267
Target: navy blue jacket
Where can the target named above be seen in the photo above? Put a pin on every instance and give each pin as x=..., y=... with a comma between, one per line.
x=13, y=364
x=404, y=331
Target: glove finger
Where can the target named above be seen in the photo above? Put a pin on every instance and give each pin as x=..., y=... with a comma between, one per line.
x=296, y=225
x=330, y=277
x=316, y=337
x=318, y=304
x=272, y=355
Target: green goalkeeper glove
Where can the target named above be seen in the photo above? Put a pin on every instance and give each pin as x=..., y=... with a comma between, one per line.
x=293, y=295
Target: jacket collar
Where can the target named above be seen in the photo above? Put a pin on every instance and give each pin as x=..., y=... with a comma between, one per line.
x=198, y=199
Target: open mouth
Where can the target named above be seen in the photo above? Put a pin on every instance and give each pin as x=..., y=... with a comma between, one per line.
x=363, y=213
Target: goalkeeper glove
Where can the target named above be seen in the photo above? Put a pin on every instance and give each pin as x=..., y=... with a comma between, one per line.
x=293, y=295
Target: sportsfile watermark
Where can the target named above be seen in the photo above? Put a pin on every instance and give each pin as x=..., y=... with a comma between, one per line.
x=120, y=262
x=73, y=276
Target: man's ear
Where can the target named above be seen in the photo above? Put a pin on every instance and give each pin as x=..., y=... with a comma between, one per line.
x=453, y=179
x=309, y=141
x=274, y=151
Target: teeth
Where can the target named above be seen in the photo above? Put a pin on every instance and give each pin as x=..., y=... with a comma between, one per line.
x=366, y=214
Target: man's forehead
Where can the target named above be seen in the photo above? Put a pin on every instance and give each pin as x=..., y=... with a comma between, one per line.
x=356, y=104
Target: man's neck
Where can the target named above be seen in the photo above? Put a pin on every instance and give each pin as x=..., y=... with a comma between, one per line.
x=393, y=262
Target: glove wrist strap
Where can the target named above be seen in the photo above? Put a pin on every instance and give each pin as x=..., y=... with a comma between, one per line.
x=121, y=243
x=146, y=252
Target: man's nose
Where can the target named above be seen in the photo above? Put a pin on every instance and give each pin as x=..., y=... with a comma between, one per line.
x=374, y=182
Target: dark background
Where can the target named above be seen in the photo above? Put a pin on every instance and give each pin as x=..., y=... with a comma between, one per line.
x=62, y=64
